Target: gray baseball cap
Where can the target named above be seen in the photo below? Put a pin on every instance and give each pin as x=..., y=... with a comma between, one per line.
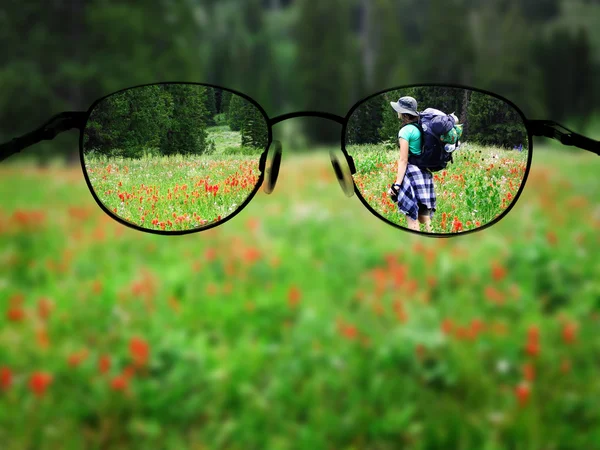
x=405, y=105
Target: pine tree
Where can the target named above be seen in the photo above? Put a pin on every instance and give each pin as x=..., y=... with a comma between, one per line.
x=211, y=105
x=363, y=126
x=186, y=131
x=494, y=122
x=255, y=132
x=236, y=112
x=225, y=100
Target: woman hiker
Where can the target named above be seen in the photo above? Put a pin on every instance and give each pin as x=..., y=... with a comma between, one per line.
x=416, y=193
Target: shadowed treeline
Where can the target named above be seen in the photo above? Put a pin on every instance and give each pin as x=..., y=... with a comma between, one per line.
x=301, y=54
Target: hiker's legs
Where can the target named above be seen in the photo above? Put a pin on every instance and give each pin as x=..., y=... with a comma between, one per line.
x=425, y=217
x=426, y=220
x=413, y=224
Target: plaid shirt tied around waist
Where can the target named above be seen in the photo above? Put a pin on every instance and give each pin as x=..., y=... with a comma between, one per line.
x=417, y=187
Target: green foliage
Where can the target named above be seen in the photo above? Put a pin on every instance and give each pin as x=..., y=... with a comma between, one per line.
x=171, y=117
x=363, y=126
x=224, y=103
x=254, y=127
x=324, y=83
x=235, y=112
x=129, y=121
x=211, y=106
x=380, y=339
x=493, y=122
x=186, y=128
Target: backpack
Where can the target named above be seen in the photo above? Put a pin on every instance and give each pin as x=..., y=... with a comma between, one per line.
x=432, y=124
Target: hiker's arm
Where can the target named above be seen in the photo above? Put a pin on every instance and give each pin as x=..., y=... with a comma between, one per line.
x=403, y=161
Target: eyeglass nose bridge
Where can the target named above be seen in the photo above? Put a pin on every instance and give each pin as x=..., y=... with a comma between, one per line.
x=344, y=177
x=323, y=115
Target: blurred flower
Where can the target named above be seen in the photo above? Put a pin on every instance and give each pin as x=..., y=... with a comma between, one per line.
x=533, y=333
x=119, y=383
x=447, y=326
x=139, y=350
x=77, y=358
x=528, y=371
x=498, y=271
x=104, y=364
x=5, y=378
x=294, y=296
x=39, y=382
x=523, y=393
x=44, y=307
x=503, y=366
x=532, y=349
x=15, y=314
x=569, y=332
x=42, y=338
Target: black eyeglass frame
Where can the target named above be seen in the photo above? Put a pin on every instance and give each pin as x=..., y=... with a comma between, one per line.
x=69, y=120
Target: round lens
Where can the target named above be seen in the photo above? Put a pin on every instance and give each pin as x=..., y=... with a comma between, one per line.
x=438, y=159
x=174, y=157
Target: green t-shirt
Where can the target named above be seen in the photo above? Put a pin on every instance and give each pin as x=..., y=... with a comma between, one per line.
x=411, y=134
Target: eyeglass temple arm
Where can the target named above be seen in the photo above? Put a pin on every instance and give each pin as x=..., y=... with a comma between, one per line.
x=48, y=131
x=550, y=129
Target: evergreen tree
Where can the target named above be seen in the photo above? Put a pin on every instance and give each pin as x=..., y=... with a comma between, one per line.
x=129, y=122
x=363, y=126
x=186, y=129
x=211, y=105
x=494, y=122
x=225, y=100
x=236, y=112
x=255, y=132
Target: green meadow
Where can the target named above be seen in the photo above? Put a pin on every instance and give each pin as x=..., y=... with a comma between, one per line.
x=303, y=322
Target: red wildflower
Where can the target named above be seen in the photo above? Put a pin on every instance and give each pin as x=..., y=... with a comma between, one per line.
x=44, y=307
x=569, y=332
x=77, y=358
x=349, y=331
x=294, y=296
x=447, y=326
x=528, y=371
x=533, y=333
x=5, y=378
x=15, y=314
x=139, y=350
x=39, y=382
x=498, y=271
x=477, y=325
x=119, y=383
x=104, y=364
x=532, y=348
x=523, y=392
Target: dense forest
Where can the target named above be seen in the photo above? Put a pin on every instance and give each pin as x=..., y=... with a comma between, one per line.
x=171, y=118
x=543, y=55
x=486, y=119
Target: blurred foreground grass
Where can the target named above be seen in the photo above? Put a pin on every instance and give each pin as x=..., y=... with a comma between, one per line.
x=304, y=322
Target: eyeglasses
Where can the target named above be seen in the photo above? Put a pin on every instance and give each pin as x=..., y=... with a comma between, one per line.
x=177, y=158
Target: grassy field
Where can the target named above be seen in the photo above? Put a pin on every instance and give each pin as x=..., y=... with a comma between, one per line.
x=178, y=192
x=303, y=323
x=476, y=187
